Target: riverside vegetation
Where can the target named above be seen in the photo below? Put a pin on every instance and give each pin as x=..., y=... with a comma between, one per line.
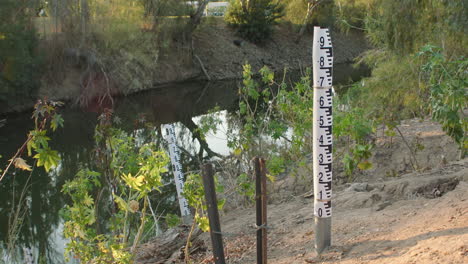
x=417, y=71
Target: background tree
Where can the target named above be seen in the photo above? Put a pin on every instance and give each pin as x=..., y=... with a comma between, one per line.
x=254, y=20
x=20, y=64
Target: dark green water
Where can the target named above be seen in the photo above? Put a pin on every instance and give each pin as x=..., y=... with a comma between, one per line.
x=177, y=103
x=41, y=228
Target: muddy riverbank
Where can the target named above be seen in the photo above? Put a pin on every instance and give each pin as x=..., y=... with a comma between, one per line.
x=218, y=54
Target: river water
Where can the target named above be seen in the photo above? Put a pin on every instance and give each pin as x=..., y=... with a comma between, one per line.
x=42, y=224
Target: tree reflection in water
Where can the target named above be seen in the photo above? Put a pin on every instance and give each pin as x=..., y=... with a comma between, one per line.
x=41, y=225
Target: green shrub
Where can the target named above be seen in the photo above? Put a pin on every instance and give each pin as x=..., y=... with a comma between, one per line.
x=404, y=26
x=127, y=174
x=322, y=13
x=351, y=14
x=447, y=80
x=254, y=20
x=20, y=65
x=393, y=91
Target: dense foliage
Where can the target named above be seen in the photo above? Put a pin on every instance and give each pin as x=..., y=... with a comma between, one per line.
x=405, y=26
x=254, y=20
x=127, y=172
x=447, y=81
x=20, y=63
x=321, y=12
x=418, y=63
x=46, y=119
x=276, y=122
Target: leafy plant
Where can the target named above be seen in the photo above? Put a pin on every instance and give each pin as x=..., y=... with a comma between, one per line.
x=257, y=114
x=447, y=80
x=352, y=125
x=351, y=14
x=195, y=195
x=209, y=122
x=320, y=14
x=273, y=112
x=441, y=22
x=357, y=158
x=353, y=129
x=276, y=165
x=194, y=192
x=254, y=20
x=129, y=172
x=85, y=242
x=172, y=220
x=246, y=186
x=45, y=116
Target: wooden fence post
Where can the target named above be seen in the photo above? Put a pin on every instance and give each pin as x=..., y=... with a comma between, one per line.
x=213, y=215
x=261, y=206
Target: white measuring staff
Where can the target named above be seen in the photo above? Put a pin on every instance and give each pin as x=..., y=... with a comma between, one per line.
x=177, y=168
x=322, y=61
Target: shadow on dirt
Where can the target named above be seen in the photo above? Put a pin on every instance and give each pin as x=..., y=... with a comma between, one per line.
x=393, y=248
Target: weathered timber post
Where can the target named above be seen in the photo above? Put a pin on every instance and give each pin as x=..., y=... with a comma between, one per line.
x=213, y=215
x=261, y=204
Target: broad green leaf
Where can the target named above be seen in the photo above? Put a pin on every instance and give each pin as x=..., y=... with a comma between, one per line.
x=122, y=204
x=203, y=223
x=134, y=182
x=88, y=200
x=221, y=203
x=47, y=158
x=56, y=122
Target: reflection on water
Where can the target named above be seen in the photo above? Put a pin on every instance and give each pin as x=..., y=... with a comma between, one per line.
x=41, y=225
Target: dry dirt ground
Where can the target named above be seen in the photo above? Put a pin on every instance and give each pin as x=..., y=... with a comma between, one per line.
x=382, y=217
x=409, y=229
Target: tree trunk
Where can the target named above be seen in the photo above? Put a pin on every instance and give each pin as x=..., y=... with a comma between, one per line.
x=310, y=7
x=195, y=19
x=188, y=122
x=84, y=7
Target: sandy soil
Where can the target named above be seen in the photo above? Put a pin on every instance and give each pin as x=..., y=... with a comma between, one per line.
x=411, y=229
x=404, y=217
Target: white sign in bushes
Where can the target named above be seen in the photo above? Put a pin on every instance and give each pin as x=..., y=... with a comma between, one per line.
x=216, y=8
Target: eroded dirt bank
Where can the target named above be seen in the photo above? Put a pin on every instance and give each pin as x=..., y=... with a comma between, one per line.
x=218, y=50
x=214, y=47
x=390, y=214
x=411, y=227
x=223, y=59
